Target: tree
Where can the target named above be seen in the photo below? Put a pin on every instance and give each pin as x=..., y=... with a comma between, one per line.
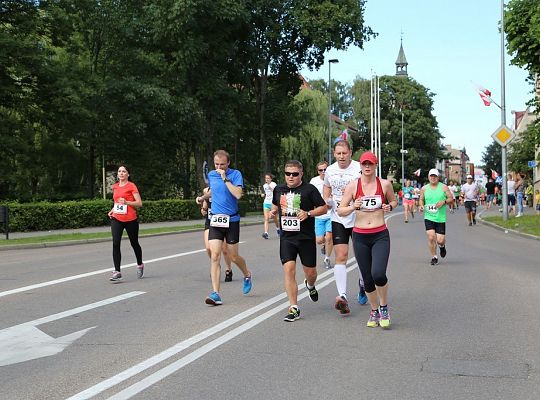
x=522, y=27
x=282, y=36
x=492, y=158
x=522, y=149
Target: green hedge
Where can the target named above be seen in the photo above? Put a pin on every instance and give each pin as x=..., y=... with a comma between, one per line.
x=44, y=216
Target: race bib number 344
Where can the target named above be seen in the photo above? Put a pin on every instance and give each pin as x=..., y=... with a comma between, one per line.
x=432, y=208
x=220, y=221
x=290, y=224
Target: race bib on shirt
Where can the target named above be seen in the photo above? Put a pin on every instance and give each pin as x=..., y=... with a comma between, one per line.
x=120, y=208
x=408, y=196
x=220, y=220
x=371, y=203
x=290, y=224
x=432, y=208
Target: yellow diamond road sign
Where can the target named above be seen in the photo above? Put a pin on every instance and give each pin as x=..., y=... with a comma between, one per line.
x=503, y=135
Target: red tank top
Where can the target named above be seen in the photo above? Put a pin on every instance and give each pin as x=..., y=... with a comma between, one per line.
x=378, y=192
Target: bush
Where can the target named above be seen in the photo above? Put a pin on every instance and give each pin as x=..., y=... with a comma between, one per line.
x=46, y=216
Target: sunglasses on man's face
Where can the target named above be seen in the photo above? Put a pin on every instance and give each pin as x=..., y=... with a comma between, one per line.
x=292, y=173
x=322, y=170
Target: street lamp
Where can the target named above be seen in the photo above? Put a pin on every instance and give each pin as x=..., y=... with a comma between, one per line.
x=330, y=62
x=402, y=151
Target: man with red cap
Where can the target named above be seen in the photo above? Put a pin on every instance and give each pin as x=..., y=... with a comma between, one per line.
x=370, y=197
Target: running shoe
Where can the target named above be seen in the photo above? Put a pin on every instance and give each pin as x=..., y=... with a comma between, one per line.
x=474, y=221
x=374, y=318
x=327, y=263
x=434, y=261
x=362, y=297
x=442, y=250
x=384, y=320
x=140, y=271
x=228, y=275
x=265, y=235
x=342, y=305
x=470, y=223
x=406, y=221
x=293, y=315
x=116, y=276
x=278, y=231
x=213, y=299
x=247, y=285
x=313, y=294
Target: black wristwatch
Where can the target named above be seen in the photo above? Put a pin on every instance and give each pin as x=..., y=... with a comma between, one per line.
x=226, y=180
x=391, y=208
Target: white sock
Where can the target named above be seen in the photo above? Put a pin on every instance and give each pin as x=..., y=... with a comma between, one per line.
x=340, y=274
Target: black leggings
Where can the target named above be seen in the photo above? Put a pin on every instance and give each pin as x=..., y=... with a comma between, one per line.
x=132, y=229
x=372, y=251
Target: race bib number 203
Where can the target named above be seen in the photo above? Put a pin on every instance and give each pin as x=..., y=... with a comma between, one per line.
x=290, y=224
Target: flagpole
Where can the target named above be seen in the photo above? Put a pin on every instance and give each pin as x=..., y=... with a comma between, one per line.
x=503, y=121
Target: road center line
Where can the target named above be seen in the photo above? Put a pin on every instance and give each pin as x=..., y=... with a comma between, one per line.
x=203, y=350
x=177, y=348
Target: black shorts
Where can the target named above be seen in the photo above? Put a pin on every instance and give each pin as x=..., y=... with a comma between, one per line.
x=230, y=234
x=470, y=206
x=340, y=234
x=511, y=200
x=438, y=227
x=290, y=248
x=206, y=223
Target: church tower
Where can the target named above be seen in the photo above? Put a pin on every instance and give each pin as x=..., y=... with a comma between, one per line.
x=401, y=62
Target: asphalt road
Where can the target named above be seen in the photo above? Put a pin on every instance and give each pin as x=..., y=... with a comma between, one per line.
x=465, y=329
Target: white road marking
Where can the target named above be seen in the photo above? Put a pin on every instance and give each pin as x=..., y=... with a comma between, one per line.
x=181, y=346
x=203, y=350
x=87, y=274
x=25, y=341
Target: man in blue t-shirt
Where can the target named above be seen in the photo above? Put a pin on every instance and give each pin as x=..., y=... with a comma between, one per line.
x=225, y=189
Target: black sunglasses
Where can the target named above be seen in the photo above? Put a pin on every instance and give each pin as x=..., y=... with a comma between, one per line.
x=292, y=173
x=322, y=170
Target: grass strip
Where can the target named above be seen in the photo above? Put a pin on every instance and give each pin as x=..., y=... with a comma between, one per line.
x=526, y=224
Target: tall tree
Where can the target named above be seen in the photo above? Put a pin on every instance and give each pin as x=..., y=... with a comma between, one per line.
x=492, y=158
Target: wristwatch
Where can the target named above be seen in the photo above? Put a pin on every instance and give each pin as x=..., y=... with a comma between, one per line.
x=226, y=180
x=309, y=213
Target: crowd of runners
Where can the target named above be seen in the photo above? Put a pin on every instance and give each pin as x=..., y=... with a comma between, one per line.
x=344, y=204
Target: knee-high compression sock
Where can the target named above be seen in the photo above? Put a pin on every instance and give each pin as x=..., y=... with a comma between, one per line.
x=340, y=274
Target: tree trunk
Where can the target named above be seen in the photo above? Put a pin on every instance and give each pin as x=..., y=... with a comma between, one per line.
x=261, y=90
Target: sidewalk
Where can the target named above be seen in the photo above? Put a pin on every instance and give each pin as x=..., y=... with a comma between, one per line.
x=248, y=220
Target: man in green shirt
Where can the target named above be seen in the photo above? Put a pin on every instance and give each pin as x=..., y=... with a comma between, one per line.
x=433, y=200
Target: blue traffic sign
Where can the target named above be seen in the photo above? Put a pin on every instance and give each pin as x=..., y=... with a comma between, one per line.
x=531, y=164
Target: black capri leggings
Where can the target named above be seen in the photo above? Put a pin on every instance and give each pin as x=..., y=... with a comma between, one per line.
x=132, y=229
x=372, y=251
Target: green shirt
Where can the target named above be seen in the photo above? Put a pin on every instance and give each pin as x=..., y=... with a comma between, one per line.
x=432, y=197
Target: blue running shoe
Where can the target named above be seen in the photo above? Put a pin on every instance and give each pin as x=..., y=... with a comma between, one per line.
x=247, y=285
x=213, y=299
x=362, y=297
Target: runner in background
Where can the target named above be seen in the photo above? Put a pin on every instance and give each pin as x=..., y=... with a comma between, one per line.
x=323, y=223
x=268, y=189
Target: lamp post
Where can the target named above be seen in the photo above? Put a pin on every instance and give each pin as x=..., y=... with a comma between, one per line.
x=503, y=121
x=330, y=62
x=402, y=151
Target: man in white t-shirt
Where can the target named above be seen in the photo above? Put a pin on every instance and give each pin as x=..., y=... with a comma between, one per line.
x=469, y=192
x=336, y=178
x=323, y=223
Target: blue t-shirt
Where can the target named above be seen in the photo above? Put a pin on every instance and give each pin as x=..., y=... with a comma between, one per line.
x=223, y=202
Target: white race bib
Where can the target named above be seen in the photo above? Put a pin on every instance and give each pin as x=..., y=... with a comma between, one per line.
x=120, y=208
x=290, y=224
x=432, y=208
x=408, y=196
x=220, y=220
x=371, y=203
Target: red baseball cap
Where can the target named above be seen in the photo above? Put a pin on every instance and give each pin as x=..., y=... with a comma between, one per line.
x=368, y=156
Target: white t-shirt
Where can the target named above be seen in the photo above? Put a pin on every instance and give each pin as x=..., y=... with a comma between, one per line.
x=319, y=184
x=337, y=179
x=511, y=187
x=470, y=191
x=268, y=192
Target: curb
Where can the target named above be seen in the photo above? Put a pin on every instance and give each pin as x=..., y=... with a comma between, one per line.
x=101, y=240
x=506, y=230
